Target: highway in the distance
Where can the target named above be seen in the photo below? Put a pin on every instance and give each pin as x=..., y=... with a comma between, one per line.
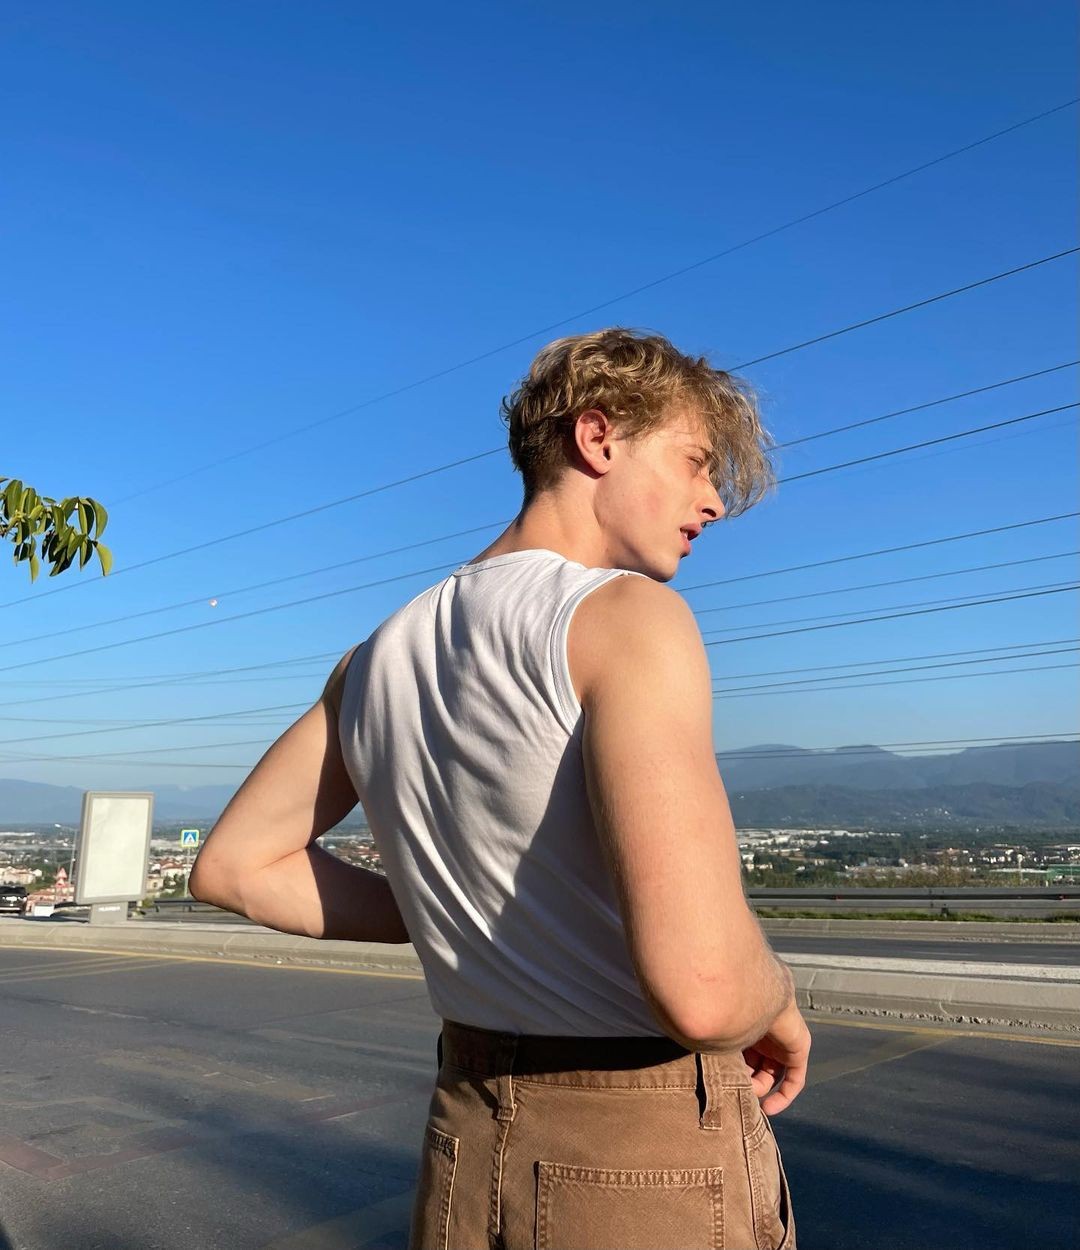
x=1066, y=954
x=1009, y=948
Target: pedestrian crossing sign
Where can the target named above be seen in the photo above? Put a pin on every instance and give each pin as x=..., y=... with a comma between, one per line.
x=189, y=837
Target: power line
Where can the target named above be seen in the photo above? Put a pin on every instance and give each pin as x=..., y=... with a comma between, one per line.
x=933, y=403
x=761, y=694
x=225, y=620
x=349, y=590
x=881, y=551
x=884, y=672
x=959, y=600
x=896, y=312
x=806, y=629
x=900, y=659
x=607, y=303
x=201, y=600
x=213, y=542
x=155, y=724
x=173, y=678
x=895, y=581
x=444, y=567
x=947, y=438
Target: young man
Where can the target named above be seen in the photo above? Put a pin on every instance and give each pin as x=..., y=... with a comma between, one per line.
x=531, y=740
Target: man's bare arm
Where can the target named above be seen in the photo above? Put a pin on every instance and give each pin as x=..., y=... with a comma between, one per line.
x=640, y=668
x=260, y=859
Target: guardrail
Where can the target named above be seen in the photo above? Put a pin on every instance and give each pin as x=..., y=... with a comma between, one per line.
x=1027, y=903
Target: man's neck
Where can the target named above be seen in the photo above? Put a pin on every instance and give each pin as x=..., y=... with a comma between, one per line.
x=550, y=523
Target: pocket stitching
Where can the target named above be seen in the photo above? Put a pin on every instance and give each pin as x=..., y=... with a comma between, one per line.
x=447, y=1146
x=711, y=1179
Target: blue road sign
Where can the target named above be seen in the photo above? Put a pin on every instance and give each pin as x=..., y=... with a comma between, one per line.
x=189, y=837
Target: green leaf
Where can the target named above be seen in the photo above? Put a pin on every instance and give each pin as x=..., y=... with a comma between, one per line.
x=100, y=515
x=84, y=516
x=105, y=556
x=86, y=550
x=35, y=567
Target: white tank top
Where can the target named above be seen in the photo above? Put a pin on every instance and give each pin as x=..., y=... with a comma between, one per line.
x=461, y=733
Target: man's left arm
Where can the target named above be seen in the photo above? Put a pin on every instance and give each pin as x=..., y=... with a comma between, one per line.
x=260, y=859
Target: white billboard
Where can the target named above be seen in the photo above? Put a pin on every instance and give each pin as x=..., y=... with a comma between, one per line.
x=113, y=846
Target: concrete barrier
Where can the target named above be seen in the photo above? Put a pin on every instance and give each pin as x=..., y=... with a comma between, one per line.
x=1032, y=996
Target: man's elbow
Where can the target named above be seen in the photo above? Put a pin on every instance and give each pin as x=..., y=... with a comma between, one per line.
x=209, y=884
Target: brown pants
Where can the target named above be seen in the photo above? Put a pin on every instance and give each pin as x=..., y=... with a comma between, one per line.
x=583, y=1143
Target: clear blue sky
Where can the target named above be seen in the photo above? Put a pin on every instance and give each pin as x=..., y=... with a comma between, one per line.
x=225, y=222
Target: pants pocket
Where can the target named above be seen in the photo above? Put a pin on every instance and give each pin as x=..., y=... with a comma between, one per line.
x=774, y=1225
x=590, y=1208
x=430, y=1226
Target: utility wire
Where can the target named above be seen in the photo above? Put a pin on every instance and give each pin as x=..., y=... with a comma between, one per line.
x=932, y=442
x=898, y=659
x=761, y=694
x=213, y=542
x=292, y=707
x=884, y=672
x=239, y=616
x=349, y=590
x=895, y=581
x=869, y=620
x=880, y=551
x=959, y=600
x=444, y=567
x=607, y=303
x=155, y=724
x=896, y=312
x=932, y=403
x=128, y=723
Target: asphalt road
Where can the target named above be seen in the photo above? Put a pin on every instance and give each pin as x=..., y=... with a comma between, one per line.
x=1008, y=949
x=156, y=1103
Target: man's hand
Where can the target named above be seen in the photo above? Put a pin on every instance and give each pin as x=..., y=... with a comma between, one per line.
x=779, y=1059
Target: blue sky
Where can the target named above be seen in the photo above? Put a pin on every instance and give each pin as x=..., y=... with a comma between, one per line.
x=226, y=223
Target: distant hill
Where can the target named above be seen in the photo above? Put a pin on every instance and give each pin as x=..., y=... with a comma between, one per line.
x=872, y=768
x=30, y=802
x=1035, y=805
x=1031, y=782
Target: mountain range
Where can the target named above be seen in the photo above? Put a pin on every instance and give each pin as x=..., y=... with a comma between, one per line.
x=1014, y=783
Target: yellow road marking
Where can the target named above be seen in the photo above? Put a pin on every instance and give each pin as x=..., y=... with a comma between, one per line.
x=29, y=971
x=895, y=1047
x=241, y=963
x=94, y=970
x=941, y=1031
x=355, y=1229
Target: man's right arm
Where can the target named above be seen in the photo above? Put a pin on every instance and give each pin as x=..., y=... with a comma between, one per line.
x=640, y=670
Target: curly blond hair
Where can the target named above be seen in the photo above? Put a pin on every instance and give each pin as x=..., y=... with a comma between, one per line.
x=635, y=379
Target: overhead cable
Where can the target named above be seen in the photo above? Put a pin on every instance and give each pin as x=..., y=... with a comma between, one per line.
x=607, y=303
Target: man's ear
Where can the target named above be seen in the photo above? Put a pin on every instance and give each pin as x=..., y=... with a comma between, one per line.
x=594, y=434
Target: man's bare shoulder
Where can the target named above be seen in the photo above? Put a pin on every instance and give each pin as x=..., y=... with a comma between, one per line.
x=627, y=621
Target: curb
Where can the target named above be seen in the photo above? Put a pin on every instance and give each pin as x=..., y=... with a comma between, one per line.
x=956, y=992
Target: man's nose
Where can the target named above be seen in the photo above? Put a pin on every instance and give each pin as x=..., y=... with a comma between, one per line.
x=714, y=508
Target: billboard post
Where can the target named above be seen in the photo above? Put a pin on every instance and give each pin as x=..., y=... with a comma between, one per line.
x=112, y=852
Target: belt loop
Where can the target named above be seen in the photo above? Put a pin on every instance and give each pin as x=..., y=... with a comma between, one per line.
x=710, y=1091
x=506, y=1055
